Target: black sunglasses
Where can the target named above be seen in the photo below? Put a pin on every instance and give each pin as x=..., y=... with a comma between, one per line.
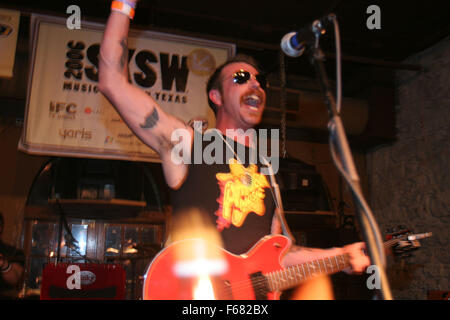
x=242, y=76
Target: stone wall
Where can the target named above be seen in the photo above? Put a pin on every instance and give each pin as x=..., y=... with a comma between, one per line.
x=409, y=181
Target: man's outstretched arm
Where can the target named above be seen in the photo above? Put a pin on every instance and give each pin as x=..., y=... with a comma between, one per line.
x=139, y=111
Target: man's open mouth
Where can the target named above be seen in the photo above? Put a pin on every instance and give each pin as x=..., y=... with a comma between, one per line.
x=253, y=101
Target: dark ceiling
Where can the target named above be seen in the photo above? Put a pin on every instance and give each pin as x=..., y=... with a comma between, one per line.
x=369, y=56
x=407, y=27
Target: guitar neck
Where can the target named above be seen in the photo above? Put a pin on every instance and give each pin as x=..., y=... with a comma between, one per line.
x=291, y=276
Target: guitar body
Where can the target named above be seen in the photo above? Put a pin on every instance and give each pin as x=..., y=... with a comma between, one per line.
x=239, y=281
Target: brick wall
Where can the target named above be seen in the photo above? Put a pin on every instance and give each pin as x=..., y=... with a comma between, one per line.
x=409, y=181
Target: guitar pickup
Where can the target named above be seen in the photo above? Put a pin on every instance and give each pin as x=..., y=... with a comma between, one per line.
x=260, y=285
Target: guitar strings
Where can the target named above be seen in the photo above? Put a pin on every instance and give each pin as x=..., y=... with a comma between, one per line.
x=244, y=284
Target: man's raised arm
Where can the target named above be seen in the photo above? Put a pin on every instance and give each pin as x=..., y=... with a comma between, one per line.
x=139, y=111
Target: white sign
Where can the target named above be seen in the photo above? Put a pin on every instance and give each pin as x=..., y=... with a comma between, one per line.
x=66, y=115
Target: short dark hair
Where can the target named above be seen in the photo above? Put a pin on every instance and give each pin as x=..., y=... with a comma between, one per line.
x=214, y=81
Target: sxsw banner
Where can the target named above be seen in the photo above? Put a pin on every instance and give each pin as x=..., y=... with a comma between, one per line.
x=66, y=115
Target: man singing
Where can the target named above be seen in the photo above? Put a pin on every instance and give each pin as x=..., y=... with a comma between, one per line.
x=236, y=92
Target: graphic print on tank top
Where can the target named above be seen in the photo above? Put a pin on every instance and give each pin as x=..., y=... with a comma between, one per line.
x=242, y=191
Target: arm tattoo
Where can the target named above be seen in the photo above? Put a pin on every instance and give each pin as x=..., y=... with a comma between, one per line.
x=150, y=120
x=124, y=57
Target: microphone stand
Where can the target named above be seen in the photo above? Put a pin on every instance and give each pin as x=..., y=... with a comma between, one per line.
x=369, y=227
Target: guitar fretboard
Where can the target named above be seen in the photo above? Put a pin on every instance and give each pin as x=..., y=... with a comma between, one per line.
x=291, y=276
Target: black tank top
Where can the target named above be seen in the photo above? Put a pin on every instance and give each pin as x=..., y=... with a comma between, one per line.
x=235, y=198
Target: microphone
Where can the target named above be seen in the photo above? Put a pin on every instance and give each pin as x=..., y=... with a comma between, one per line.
x=294, y=43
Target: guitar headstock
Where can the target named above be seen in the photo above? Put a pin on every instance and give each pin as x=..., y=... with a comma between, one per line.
x=402, y=241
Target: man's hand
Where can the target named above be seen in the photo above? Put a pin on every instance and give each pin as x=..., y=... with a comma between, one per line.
x=359, y=261
x=11, y=272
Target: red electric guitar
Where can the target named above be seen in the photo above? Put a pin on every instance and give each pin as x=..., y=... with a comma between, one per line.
x=257, y=274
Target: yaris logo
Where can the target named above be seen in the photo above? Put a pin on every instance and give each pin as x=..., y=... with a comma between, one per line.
x=75, y=134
